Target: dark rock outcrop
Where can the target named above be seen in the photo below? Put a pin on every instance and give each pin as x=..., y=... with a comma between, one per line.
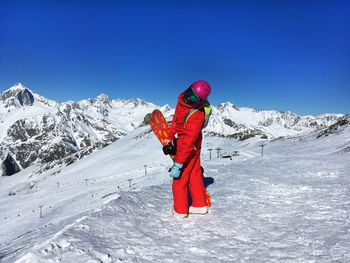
x=9, y=166
x=25, y=98
x=146, y=120
x=336, y=127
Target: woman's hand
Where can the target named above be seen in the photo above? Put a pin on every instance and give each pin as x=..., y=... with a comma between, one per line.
x=166, y=142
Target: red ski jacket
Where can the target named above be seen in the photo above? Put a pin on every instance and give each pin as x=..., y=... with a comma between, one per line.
x=189, y=136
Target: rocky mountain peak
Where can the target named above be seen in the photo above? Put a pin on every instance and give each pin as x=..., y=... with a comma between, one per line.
x=17, y=96
x=227, y=105
x=104, y=99
x=138, y=102
x=18, y=86
x=103, y=96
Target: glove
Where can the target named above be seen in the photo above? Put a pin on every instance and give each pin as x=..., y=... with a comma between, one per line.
x=176, y=170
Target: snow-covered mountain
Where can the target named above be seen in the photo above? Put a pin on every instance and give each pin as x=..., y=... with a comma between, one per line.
x=34, y=129
x=241, y=123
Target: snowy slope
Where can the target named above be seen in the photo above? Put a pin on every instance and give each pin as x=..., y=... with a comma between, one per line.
x=107, y=169
x=292, y=205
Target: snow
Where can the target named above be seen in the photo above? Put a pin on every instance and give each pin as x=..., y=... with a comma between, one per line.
x=291, y=205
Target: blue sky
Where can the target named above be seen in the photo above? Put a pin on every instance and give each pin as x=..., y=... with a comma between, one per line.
x=284, y=55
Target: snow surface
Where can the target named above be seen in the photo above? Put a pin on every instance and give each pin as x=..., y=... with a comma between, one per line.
x=291, y=205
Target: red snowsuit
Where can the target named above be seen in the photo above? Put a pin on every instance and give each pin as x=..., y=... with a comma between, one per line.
x=189, y=140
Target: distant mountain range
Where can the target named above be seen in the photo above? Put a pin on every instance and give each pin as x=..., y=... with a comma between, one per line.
x=35, y=130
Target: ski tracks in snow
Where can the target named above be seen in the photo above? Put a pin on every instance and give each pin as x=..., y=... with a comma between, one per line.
x=136, y=227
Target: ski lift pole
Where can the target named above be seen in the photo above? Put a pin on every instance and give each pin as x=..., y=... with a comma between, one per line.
x=41, y=210
x=210, y=153
x=262, y=149
x=218, y=151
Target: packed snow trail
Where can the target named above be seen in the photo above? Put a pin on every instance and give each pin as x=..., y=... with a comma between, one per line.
x=271, y=209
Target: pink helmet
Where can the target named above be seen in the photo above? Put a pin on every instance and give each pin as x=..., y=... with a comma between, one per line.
x=202, y=89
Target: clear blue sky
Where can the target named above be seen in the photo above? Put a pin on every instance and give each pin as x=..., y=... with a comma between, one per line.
x=284, y=55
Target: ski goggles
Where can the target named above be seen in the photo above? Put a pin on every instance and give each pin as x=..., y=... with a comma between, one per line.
x=191, y=96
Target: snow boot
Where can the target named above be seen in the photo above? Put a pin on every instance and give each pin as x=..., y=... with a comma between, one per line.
x=177, y=215
x=198, y=210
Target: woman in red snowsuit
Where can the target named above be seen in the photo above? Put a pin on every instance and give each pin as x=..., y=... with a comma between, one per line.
x=187, y=170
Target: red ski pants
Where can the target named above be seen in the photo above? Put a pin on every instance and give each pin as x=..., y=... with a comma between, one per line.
x=190, y=178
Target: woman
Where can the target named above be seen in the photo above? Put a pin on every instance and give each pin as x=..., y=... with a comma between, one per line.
x=188, y=121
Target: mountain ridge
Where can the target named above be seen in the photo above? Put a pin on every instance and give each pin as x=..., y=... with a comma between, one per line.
x=35, y=129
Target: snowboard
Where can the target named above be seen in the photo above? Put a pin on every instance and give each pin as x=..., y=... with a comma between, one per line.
x=161, y=129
